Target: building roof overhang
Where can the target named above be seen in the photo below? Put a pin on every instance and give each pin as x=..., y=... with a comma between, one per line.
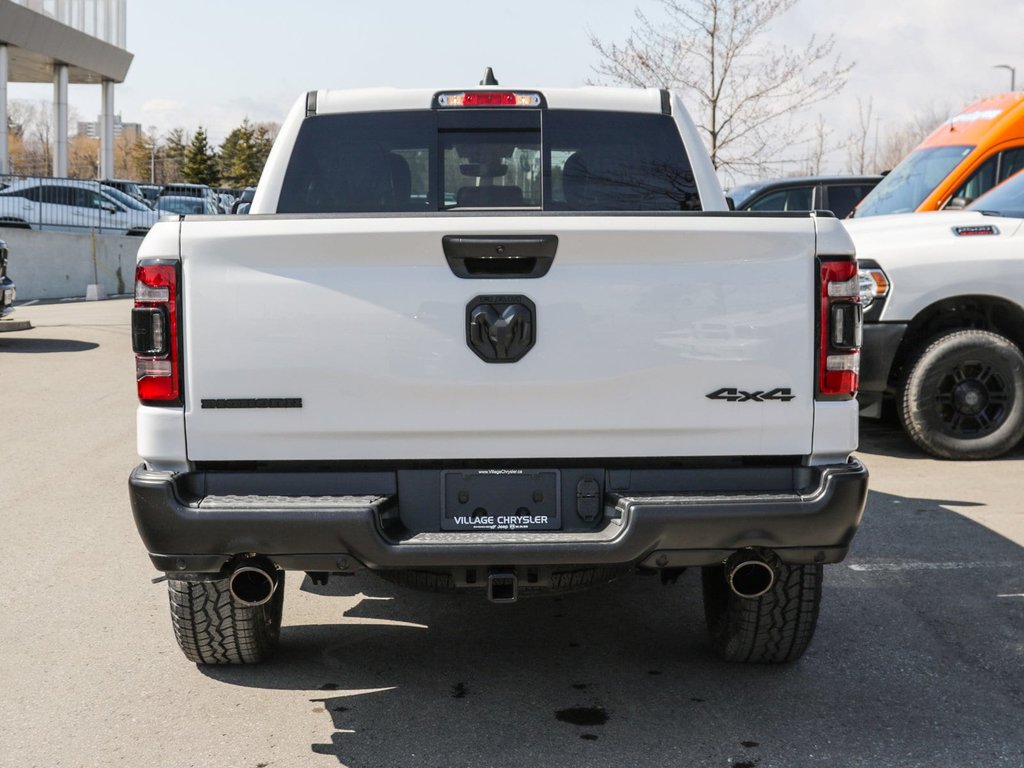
x=36, y=43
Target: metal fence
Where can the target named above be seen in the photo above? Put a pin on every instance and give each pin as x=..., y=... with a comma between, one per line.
x=109, y=207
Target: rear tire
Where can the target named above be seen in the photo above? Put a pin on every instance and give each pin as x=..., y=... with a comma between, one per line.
x=772, y=629
x=963, y=397
x=211, y=628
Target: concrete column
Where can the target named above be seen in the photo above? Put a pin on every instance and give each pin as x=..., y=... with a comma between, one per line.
x=107, y=130
x=4, y=149
x=60, y=119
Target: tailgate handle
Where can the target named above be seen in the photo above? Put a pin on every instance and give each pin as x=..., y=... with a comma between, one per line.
x=476, y=257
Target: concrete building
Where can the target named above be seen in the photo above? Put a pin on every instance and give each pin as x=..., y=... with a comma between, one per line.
x=64, y=41
x=94, y=130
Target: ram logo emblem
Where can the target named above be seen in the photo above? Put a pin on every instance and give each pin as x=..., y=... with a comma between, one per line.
x=501, y=329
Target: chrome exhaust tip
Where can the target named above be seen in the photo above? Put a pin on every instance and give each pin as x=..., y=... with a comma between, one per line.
x=252, y=584
x=749, y=575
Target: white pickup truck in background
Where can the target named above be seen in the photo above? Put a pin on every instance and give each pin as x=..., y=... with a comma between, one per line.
x=944, y=323
x=509, y=340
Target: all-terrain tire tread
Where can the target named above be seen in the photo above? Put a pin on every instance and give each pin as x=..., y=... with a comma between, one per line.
x=211, y=628
x=775, y=628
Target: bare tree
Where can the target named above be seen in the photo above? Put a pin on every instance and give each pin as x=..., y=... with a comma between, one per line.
x=42, y=133
x=31, y=122
x=19, y=115
x=818, y=147
x=861, y=150
x=746, y=89
x=83, y=157
x=270, y=128
x=899, y=141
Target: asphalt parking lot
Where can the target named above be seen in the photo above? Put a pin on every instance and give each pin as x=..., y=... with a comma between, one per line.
x=918, y=658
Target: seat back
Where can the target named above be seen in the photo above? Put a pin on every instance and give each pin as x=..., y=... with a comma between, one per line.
x=491, y=197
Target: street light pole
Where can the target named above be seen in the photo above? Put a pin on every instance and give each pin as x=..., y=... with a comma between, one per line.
x=1013, y=74
x=155, y=138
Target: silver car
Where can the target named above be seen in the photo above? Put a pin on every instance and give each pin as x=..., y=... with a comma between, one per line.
x=68, y=205
x=175, y=204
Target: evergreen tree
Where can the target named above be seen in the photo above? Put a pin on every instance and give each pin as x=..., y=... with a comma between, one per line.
x=143, y=155
x=173, y=155
x=200, y=161
x=243, y=154
x=235, y=154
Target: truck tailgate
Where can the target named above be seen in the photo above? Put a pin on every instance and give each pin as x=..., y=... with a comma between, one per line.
x=361, y=322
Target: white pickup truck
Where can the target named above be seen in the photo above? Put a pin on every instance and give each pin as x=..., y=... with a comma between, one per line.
x=944, y=323
x=503, y=340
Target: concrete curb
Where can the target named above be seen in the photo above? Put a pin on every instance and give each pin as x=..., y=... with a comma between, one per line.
x=14, y=325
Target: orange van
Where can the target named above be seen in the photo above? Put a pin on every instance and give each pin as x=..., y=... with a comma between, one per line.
x=963, y=158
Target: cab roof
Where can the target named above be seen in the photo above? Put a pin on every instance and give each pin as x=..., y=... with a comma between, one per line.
x=391, y=99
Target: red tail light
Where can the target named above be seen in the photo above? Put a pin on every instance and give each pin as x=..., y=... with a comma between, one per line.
x=841, y=323
x=155, y=333
x=489, y=99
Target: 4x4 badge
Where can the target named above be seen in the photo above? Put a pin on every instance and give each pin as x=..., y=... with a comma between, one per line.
x=733, y=395
x=501, y=329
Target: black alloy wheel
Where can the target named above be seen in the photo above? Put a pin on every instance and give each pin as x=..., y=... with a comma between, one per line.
x=973, y=399
x=963, y=396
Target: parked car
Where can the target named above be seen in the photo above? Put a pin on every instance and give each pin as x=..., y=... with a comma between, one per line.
x=68, y=205
x=225, y=201
x=126, y=199
x=177, y=204
x=192, y=190
x=151, y=192
x=188, y=190
x=960, y=160
x=241, y=205
x=944, y=323
x=8, y=291
x=130, y=188
x=838, y=194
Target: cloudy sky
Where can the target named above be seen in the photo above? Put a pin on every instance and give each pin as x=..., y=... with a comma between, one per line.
x=213, y=63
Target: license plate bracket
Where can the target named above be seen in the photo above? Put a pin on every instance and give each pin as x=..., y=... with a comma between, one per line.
x=501, y=500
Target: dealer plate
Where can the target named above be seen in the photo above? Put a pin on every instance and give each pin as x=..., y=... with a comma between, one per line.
x=501, y=500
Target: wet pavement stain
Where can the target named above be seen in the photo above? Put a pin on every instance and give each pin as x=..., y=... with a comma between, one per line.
x=580, y=686
x=582, y=715
x=459, y=691
x=698, y=701
x=750, y=744
x=588, y=736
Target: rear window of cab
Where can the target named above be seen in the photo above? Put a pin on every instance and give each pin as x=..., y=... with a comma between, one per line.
x=473, y=159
